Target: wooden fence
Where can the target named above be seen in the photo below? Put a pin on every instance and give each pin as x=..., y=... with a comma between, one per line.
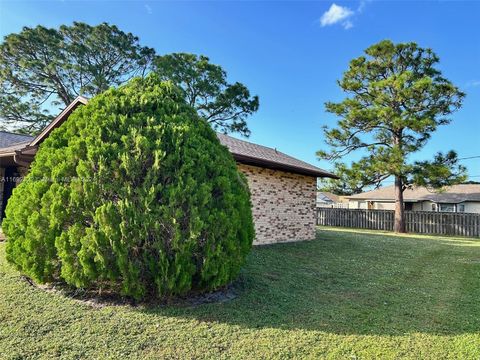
x=421, y=222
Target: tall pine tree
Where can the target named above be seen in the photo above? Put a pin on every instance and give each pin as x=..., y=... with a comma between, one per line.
x=398, y=98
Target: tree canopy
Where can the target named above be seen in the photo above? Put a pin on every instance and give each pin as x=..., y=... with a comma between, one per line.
x=41, y=68
x=351, y=180
x=225, y=106
x=397, y=100
x=132, y=194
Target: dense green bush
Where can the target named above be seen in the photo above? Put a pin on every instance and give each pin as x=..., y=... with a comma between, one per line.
x=134, y=194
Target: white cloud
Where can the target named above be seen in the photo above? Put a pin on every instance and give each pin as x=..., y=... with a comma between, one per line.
x=347, y=25
x=473, y=83
x=342, y=15
x=148, y=8
x=362, y=5
x=337, y=14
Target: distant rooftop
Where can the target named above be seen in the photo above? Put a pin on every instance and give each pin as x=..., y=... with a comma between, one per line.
x=452, y=194
x=326, y=196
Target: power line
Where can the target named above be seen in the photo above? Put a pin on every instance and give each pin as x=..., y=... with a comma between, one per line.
x=470, y=157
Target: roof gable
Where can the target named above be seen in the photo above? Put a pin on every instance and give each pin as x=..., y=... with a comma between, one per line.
x=80, y=100
x=243, y=151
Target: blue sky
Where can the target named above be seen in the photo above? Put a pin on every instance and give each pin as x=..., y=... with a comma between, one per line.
x=292, y=53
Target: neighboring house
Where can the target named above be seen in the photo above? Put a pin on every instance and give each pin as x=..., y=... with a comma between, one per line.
x=456, y=198
x=9, y=143
x=283, y=189
x=327, y=199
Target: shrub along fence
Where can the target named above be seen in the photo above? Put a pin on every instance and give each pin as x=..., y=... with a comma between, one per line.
x=421, y=222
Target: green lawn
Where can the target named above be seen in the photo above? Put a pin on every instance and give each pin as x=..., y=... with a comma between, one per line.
x=348, y=294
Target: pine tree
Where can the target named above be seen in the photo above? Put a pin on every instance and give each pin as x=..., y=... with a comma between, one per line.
x=398, y=98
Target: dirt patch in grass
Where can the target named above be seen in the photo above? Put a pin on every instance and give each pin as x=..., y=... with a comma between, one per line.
x=101, y=299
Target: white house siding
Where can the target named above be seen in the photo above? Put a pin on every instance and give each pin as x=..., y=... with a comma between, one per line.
x=472, y=207
x=357, y=204
x=380, y=205
x=422, y=206
x=377, y=205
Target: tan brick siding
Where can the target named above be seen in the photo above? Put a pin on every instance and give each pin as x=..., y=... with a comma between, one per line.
x=283, y=204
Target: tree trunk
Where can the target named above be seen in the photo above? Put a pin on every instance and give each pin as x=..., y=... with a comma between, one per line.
x=399, y=224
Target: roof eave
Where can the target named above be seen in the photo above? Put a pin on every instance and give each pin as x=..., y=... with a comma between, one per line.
x=381, y=199
x=249, y=160
x=59, y=119
x=7, y=154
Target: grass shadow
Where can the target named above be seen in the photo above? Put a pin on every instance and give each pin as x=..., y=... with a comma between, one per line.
x=349, y=282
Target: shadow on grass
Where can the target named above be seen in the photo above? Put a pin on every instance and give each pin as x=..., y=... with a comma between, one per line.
x=354, y=283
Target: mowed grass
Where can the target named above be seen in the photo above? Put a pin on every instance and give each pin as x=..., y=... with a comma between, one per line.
x=348, y=294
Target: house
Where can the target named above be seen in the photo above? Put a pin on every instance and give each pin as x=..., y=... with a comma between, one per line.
x=283, y=189
x=456, y=198
x=327, y=199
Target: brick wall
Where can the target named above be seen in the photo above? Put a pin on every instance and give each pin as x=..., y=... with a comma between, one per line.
x=283, y=204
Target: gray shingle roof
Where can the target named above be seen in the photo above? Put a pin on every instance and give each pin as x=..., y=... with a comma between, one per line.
x=8, y=139
x=253, y=154
x=452, y=194
x=328, y=197
x=7, y=151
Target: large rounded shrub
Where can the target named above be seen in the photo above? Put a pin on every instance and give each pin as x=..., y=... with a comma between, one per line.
x=134, y=194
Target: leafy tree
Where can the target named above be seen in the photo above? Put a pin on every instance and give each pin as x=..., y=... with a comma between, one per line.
x=132, y=194
x=398, y=98
x=41, y=68
x=225, y=106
